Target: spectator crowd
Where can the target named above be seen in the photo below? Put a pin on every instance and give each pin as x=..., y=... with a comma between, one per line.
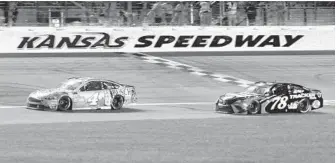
x=176, y=13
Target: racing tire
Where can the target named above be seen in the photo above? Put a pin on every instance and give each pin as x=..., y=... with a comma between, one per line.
x=117, y=102
x=304, y=106
x=254, y=108
x=64, y=104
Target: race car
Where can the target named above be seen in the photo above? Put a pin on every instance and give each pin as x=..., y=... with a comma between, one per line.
x=81, y=93
x=270, y=97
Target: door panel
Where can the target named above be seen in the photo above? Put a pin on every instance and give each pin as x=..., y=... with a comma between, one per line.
x=84, y=99
x=277, y=103
x=90, y=95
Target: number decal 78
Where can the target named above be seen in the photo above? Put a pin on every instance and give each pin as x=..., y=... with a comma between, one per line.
x=279, y=102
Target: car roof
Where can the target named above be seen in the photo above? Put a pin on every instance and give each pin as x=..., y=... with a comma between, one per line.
x=87, y=79
x=262, y=84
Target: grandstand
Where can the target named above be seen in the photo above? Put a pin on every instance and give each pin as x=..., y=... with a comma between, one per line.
x=114, y=13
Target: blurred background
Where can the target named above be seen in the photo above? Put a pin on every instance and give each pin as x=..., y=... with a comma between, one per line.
x=166, y=13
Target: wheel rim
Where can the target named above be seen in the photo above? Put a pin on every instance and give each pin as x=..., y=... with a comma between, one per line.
x=253, y=108
x=64, y=103
x=303, y=106
x=117, y=103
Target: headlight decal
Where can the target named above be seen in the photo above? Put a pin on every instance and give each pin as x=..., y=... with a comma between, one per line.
x=50, y=98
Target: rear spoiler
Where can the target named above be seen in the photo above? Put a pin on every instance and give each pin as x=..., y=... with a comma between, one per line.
x=125, y=85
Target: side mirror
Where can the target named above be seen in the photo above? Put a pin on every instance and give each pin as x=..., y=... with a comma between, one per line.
x=75, y=92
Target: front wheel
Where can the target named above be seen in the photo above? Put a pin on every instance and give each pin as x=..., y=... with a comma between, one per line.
x=117, y=103
x=304, y=106
x=64, y=103
x=254, y=108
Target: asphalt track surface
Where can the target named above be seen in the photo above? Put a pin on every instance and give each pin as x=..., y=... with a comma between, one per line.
x=174, y=119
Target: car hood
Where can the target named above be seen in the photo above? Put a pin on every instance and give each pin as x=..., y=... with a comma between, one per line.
x=237, y=95
x=48, y=92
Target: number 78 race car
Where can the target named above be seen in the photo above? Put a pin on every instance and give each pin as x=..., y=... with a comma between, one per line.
x=81, y=93
x=270, y=97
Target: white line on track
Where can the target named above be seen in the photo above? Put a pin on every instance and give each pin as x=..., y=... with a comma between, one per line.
x=140, y=104
x=10, y=107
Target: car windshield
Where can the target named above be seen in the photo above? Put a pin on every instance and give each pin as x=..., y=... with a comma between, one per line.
x=256, y=89
x=71, y=84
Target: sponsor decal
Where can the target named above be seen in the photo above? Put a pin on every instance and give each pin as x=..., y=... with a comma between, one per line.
x=293, y=105
x=303, y=95
x=319, y=94
x=298, y=91
x=88, y=40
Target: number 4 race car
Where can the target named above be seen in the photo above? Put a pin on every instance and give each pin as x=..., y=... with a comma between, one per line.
x=86, y=92
x=270, y=97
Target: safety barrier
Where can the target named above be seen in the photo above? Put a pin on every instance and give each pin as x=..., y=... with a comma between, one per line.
x=165, y=39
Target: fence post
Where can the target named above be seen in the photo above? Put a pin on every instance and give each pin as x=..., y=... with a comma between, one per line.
x=288, y=10
x=315, y=12
x=129, y=14
x=143, y=12
x=265, y=15
x=66, y=12
x=49, y=17
x=191, y=14
x=221, y=10
x=10, y=13
x=305, y=14
x=62, y=19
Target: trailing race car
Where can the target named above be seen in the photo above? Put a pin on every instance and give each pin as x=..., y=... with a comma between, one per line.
x=86, y=92
x=270, y=97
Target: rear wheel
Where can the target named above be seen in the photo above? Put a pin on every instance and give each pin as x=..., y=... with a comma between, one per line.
x=117, y=103
x=254, y=108
x=64, y=103
x=304, y=106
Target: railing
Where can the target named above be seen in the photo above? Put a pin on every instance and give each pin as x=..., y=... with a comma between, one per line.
x=137, y=14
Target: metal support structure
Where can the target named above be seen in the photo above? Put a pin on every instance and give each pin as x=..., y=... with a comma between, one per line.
x=265, y=15
x=305, y=14
x=129, y=13
x=62, y=19
x=315, y=11
x=10, y=14
x=221, y=12
x=288, y=10
x=191, y=14
x=66, y=12
x=49, y=18
x=95, y=15
x=143, y=11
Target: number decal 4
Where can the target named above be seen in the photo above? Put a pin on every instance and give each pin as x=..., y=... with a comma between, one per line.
x=93, y=100
x=96, y=97
x=279, y=102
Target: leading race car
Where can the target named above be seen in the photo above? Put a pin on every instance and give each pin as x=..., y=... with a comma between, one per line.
x=270, y=97
x=83, y=92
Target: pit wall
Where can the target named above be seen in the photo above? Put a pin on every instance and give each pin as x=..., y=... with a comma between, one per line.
x=165, y=39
